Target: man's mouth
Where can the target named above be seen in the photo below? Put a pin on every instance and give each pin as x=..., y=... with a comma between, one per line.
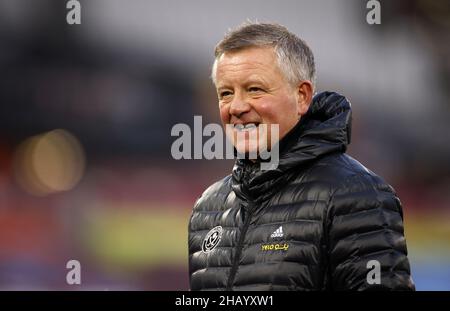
x=246, y=127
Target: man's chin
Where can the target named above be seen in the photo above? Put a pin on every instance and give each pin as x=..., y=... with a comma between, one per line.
x=251, y=153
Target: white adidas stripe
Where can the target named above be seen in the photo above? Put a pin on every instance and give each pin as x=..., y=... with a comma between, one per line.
x=277, y=233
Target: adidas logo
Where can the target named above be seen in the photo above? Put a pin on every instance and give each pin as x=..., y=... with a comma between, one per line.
x=277, y=233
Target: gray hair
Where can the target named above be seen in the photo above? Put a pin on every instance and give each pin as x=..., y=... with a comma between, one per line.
x=295, y=58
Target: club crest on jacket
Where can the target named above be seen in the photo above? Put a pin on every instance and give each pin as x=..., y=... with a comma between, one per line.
x=212, y=239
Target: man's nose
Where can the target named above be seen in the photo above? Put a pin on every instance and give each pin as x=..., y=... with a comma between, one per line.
x=239, y=106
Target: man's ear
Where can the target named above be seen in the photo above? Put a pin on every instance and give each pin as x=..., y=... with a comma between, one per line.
x=304, y=98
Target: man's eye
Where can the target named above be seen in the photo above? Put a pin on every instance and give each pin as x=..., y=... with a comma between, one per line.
x=224, y=94
x=254, y=89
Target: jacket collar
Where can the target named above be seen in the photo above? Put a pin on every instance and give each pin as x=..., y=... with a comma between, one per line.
x=325, y=129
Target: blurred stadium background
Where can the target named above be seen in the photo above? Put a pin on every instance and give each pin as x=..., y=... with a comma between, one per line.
x=86, y=112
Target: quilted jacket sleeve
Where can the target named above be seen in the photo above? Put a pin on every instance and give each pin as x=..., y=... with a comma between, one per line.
x=367, y=247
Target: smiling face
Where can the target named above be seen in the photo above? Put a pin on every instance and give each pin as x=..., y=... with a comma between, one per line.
x=252, y=91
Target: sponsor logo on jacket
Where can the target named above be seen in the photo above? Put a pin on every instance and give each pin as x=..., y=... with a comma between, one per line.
x=275, y=247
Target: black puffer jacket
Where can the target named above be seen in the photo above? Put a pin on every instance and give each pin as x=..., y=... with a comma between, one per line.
x=314, y=223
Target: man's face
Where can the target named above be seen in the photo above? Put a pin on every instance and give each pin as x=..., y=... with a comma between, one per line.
x=252, y=90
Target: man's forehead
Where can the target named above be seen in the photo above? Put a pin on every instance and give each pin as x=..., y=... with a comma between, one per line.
x=248, y=63
x=255, y=55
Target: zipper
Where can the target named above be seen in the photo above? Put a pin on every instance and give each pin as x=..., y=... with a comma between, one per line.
x=239, y=248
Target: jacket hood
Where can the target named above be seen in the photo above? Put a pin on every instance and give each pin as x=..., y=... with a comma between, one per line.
x=324, y=129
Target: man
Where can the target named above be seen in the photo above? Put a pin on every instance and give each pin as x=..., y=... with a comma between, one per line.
x=320, y=220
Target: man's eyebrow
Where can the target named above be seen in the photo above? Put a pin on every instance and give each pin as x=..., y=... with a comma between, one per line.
x=246, y=82
x=222, y=87
x=254, y=81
